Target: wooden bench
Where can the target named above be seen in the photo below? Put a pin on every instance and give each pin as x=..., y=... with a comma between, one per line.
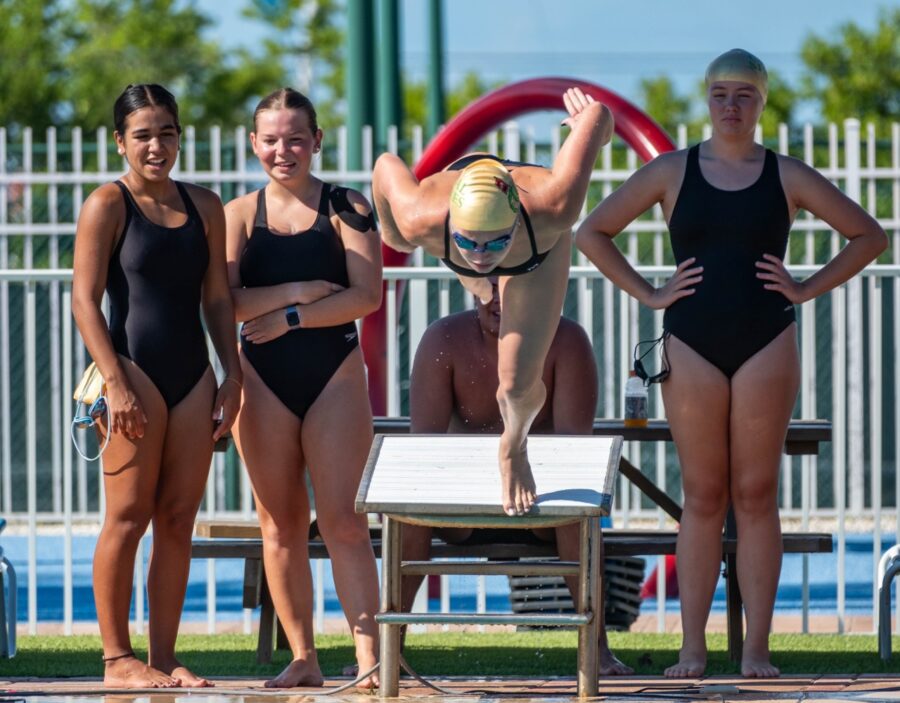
x=242, y=540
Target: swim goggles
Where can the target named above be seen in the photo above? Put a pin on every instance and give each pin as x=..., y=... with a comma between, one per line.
x=651, y=344
x=98, y=409
x=494, y=245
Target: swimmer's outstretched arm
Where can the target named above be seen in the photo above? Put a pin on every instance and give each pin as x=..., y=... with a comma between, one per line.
x=392, y=182
x=555, y=196
x=411, y=213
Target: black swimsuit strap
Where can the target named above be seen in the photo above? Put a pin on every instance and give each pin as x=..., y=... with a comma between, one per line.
x=529, y=229
x=324, y=209
x=693, y=163
x=261, y=219
x=190, y=208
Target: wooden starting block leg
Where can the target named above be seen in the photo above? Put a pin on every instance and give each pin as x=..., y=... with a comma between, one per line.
x=389, y=633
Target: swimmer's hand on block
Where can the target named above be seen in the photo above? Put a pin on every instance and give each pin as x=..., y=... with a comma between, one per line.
x=455, y=475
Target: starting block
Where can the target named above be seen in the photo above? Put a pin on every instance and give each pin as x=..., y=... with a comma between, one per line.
x=454, y=481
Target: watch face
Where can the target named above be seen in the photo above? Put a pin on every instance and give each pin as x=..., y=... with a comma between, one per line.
x=293, y=317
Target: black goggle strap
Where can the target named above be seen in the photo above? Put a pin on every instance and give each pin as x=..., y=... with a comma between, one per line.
x=639, y=369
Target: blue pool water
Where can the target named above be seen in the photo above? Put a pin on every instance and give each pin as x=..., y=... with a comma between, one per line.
x=229, y=573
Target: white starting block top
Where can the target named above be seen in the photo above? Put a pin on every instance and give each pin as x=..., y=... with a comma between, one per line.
x=458, y=474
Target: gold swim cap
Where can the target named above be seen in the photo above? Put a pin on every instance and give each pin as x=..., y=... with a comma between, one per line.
x=739, y=65
x=484, y=197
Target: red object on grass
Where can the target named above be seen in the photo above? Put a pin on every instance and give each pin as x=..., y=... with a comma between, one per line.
x=648, y=590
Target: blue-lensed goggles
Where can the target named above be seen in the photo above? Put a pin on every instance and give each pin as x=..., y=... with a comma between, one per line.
x=98, y=409
x=95, y=412
x=493, y=246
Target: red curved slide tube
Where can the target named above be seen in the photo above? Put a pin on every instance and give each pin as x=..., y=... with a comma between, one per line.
x=487, y=113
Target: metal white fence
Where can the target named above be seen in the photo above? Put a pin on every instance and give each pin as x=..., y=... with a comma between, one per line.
x=850, y=339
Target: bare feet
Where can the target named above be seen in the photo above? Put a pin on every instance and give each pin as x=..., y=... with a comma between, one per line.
x=189, y=679
x=690, y=665
x=757, y=665
x=365, y=661
x=610, y=664
x=131, y=672
x=300, y=672
x=518, y=488
x=177, y=670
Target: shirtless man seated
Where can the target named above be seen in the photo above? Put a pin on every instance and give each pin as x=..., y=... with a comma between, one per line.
x=453, y=385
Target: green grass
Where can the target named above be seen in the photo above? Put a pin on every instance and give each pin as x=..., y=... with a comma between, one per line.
x=452, y=653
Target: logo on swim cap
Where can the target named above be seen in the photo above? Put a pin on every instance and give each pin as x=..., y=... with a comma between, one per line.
x=484, y=197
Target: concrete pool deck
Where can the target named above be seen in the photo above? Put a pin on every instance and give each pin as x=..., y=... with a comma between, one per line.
x=831, y=687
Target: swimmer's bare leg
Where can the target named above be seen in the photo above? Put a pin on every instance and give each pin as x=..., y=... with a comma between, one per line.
x=531, y=306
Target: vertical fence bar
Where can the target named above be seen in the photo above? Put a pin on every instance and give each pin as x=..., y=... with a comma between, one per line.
x=393, y=351
x=5, y=371
x=622, y=368
x=215, y=157
x=189, y=150
x=609, y=353
x=417, y=297
x=67, y=464
x=895, y=199
x=103, y=167
x=240, y=160
x=839, y=424
x=77, y=199
x=28, y=196
x=139, y=587
x=875, y=382
x=319, y=595
x=55, y=381
x=808, y=317
x=31, y=448
x=855, y=429
x=211, y=563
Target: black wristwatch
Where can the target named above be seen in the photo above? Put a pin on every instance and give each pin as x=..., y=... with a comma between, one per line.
x=292, y=315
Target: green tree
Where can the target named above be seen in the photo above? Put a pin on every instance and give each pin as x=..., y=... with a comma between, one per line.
x=779, y=105
x=30, y=68
x=857, y=74
x=663, y=104
x=319, y=44
x=469, y=89
x=111, y=43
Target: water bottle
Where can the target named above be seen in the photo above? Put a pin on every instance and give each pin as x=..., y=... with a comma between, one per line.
x=636, y=401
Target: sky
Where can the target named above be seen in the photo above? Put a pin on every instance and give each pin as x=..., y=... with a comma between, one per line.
x=615, y=44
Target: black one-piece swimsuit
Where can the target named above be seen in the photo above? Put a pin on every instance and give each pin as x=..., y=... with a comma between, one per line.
x=730, y=316
x=297, y=365
x=154, y=285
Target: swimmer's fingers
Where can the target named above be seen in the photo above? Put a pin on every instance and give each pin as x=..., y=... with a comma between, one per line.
x=685, y=264
x=226, y=405
x=777, y=279
x=266, y=327
x=134, y=423
x=575, y=102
